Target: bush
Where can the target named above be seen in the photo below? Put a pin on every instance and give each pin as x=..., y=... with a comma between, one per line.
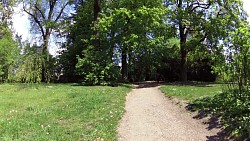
x=233, y=109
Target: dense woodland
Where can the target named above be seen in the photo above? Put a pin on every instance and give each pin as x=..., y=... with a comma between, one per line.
x=104, y=42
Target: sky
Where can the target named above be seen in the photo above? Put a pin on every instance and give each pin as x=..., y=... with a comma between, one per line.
x=247, y=6
x=21, y=25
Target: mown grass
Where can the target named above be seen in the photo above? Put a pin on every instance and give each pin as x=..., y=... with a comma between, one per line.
x=191, y=92
x=60, y=112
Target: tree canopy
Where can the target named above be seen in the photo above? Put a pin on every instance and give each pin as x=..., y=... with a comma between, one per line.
x=126, y=40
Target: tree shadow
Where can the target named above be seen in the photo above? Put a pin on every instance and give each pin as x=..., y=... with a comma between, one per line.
x=147, y=84
x=220, y=136
x=191, y=83
x=212, y=122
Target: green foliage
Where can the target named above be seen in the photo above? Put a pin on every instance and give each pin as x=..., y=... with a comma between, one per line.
x=227, y=104
x=202, y=25
x=9, y=54
x=133, y=33
x=239, y=63
x=233, y=105
x=60, y=112
x=78, y=40
x=232, y=111
x=30, y=66
x=6, y=10
x=136, y=33
x=94, y=74
x=30, y=69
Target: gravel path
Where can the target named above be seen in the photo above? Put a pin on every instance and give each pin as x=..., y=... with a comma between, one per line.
x=150, y=116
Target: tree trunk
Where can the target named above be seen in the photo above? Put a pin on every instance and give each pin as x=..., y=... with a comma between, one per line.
x=183, y=64
x=124, y=64
x=97, y=10
x=184, y=54
x=129, y=66
x=45, y=56
x=183, y=38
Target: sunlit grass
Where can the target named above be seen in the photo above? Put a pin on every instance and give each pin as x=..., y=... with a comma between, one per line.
x=191, y=92
x=60, y=112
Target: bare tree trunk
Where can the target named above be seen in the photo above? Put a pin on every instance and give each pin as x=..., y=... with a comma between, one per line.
x=97, y=9
x=183, y=64
x=45, y=55
x=124, y=64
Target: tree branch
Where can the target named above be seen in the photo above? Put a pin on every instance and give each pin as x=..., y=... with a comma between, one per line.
x=198, y=4
x=40, y=11
x=51, y=8
x=36, y=20
x=61, y=11
x=203, y=39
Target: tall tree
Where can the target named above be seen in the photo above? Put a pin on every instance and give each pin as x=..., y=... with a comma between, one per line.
x=9, y=53
x=78, y=38
x=202, y=23
x=9, y=50
x=133, y=30
x=47, y=16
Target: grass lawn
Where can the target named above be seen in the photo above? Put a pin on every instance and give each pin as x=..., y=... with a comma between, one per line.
x=60, y=112
x=191, y=92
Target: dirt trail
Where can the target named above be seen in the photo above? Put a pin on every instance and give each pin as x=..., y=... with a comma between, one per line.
x=150, y=116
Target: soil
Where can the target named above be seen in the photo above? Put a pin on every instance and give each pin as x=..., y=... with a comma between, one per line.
x=151, y=116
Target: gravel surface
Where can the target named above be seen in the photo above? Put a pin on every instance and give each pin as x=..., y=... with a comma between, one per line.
x=150, y=116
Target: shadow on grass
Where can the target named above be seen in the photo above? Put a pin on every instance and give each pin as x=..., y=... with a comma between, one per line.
x=127, y=85
x=190, y=83
x=210, y=120
x=147, y=84
x=77, y=84
x=204, y=108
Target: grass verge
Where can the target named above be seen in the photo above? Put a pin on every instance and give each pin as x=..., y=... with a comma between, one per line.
x=191, y=92
x=60, y=112
x=230, y=106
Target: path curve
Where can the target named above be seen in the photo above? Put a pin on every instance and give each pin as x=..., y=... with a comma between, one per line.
x=150, y=116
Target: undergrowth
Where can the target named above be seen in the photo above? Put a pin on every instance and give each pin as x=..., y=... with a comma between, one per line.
x=233, y=110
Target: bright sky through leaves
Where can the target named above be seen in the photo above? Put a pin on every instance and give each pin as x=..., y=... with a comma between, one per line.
x=21, y=24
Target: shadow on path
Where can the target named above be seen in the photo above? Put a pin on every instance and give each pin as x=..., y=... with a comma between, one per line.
x=212, y=122
x=147, y=84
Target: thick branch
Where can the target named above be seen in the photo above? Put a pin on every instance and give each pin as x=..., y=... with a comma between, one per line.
x=36, y=20
x=61, y=11
x=40, y=11
x=196, y=5
x=51, y=8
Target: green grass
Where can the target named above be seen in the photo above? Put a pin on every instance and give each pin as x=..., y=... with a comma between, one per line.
x=60, y=112
x=191, y=92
